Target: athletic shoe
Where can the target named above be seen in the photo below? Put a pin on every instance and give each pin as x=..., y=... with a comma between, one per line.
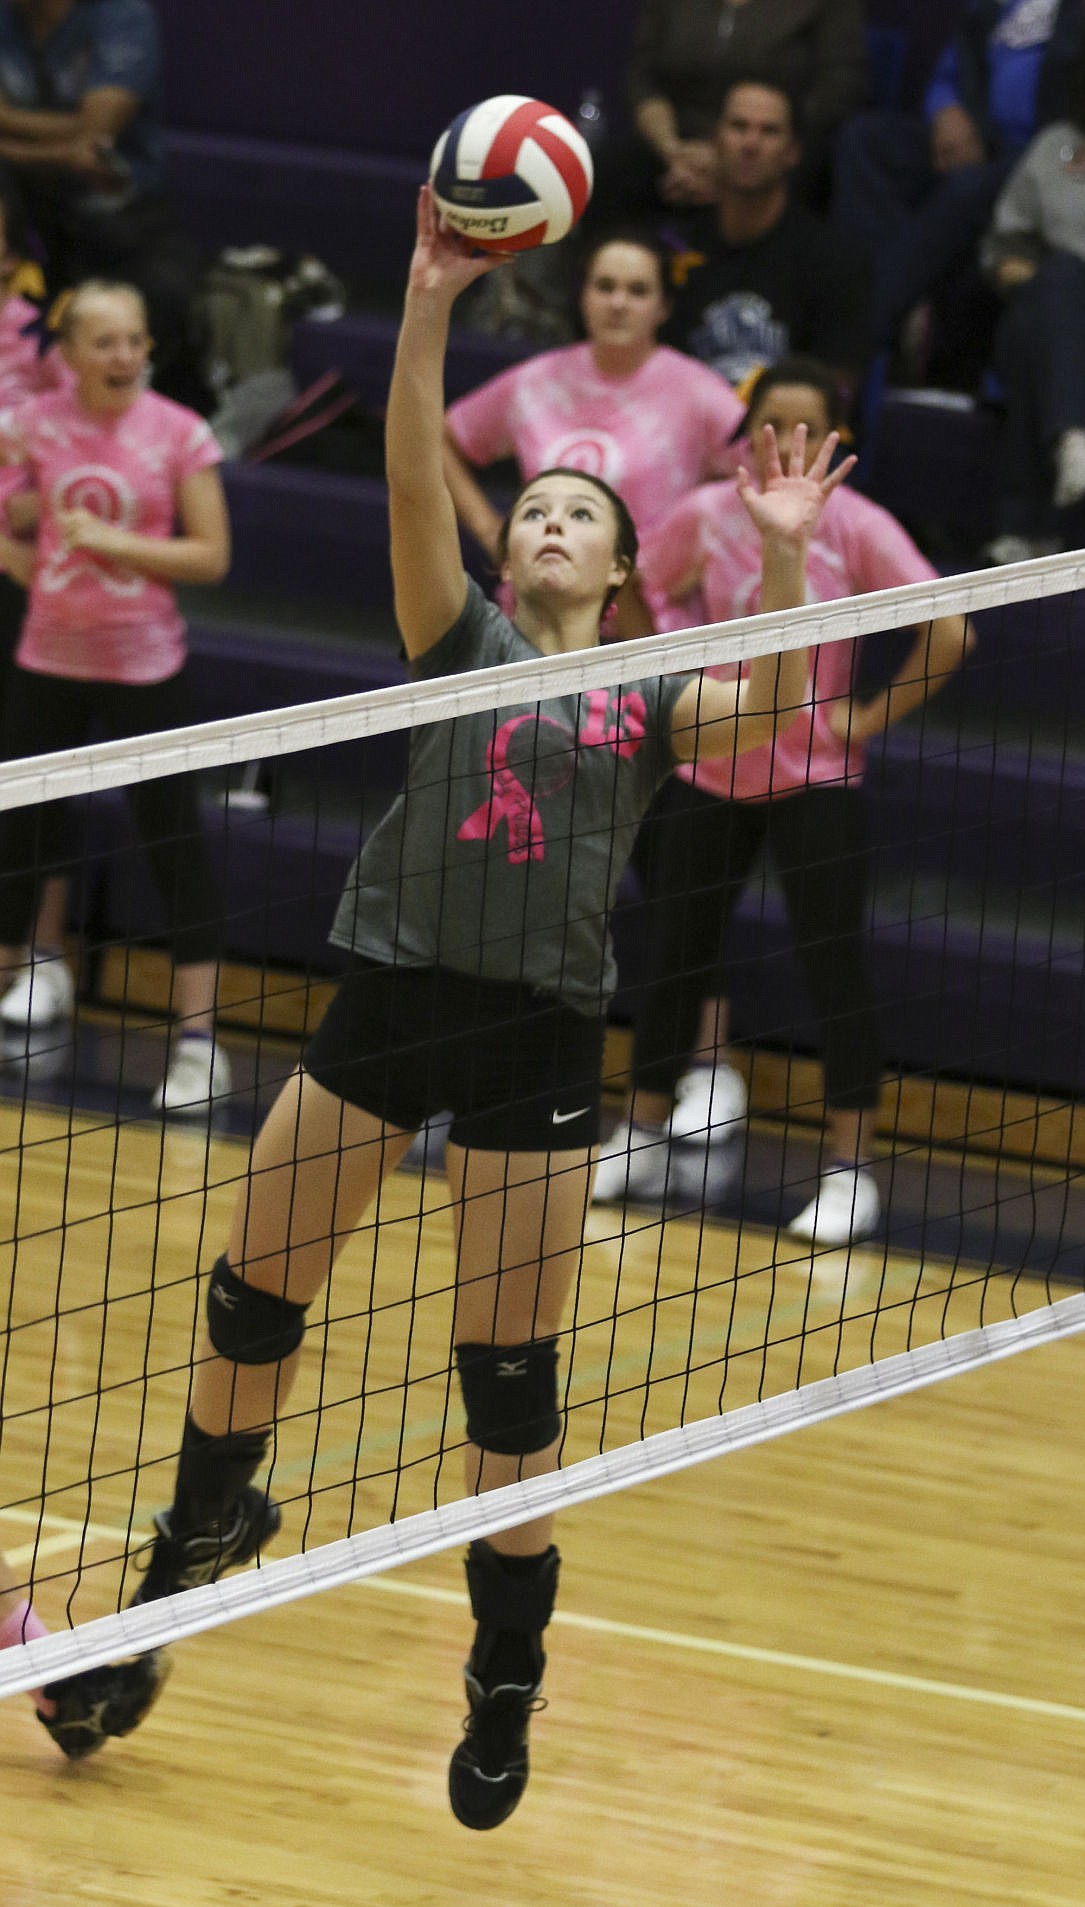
x=634, y=1163
x=702, y=1174
x=709, y=1101
x=488, y=1770
x=187, y=1562
x=1069, y=469
x=1018, y=549
x=845, y=1207
x=91, y=1707
x=42, y=992
x=199, y=1071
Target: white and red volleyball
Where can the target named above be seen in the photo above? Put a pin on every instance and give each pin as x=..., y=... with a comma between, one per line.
x=511, y=173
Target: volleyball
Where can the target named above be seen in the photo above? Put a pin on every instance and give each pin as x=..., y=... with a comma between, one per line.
x=511, y=173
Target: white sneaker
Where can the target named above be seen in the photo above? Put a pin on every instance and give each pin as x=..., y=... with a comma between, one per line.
x=845, y=1206
x=704, y=1175
x=199, y=1071
x=633, y=1164
x=707, y=1099
x=1069, y=469
x=42, y=992
x=1019, y=549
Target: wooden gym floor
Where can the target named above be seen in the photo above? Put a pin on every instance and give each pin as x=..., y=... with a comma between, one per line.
x=845, y=1667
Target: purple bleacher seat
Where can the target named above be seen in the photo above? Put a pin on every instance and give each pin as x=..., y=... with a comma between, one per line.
x=354, y=210
x=309, y=533
x=362, y=346
x=930, y=459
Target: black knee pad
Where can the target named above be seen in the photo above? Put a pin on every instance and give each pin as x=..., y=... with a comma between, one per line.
x=247, y=1325
x=510, y=1394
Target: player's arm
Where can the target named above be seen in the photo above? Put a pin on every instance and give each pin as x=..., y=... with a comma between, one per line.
x=200, y=553
x=427, y=568
x=720, y=718
x=17, y=559
x=672, y=556
x=472, y=506
x=23, y=512
x=936, y=652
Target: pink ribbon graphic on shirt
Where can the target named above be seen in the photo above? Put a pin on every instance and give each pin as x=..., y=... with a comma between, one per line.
x=510, y=799
x=615, y=721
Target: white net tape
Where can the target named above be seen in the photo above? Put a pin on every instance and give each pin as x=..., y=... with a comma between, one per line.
x=287, y=731
x=333, y=1565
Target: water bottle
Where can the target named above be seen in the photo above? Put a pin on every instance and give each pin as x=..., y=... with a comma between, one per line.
x=590, y=119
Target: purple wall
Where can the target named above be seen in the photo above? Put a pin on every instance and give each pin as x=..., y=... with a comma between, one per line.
x=378, y=78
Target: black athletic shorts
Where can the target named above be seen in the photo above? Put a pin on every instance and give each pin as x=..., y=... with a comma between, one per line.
x=518, y=1070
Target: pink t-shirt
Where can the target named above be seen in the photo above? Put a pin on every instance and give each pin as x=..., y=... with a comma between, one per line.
x=858, y=547
x=651, y=436
x=90, y=618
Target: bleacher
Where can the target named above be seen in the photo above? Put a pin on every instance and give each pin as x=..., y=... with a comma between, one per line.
x=332, y=166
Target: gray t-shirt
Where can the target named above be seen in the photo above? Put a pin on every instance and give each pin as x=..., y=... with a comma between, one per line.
x=502, y=855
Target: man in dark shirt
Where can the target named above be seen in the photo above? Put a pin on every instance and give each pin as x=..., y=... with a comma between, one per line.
x=80, y=154
x=757, y=276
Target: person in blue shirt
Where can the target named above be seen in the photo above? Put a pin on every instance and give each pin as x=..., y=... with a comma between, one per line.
x=81, y=153
x=915, y=191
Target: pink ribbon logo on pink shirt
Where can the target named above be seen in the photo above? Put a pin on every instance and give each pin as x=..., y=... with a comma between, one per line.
x=522, y=772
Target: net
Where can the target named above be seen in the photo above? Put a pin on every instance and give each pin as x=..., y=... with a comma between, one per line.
x=689, y=1332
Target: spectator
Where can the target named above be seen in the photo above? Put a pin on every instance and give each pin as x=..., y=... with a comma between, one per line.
x=800, y=798
x=1035, y=253
x=620, y=406
x=80, y=145
x=131, y=505
x=914, y=193
x=24, y=369
x=761, y=277
x=685, y=55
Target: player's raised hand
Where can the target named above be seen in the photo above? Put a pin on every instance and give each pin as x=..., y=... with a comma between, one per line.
x=787, y=509
x=443, y=261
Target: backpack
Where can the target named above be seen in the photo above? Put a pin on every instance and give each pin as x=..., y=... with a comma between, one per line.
x=248, y=302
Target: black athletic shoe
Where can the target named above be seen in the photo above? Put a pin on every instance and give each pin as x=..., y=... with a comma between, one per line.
x=187, y=1562
x=99, y=1703
x=488, y=1771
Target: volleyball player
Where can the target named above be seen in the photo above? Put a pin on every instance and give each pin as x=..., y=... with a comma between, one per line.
x=81, y=1711
x=477, y=920
x=803, y=802
x=131, y=504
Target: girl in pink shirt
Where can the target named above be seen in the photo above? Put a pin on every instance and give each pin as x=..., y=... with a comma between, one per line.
x=24, y=370
x=800, y=799
x=131, y=503
x=649, y=421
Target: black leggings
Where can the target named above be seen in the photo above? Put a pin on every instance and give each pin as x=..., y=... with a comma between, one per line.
x=44, y=713
x=695, y=854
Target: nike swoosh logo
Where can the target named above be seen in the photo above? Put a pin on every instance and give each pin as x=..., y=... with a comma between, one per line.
x=563, y=1118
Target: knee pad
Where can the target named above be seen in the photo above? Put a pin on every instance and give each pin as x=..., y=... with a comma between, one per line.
x=510, y=1394
x=247, y=1325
